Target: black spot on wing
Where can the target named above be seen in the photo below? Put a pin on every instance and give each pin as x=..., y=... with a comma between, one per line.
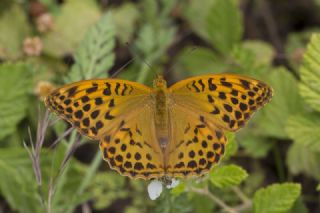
x=92, y=89
x=111, y=103
x=226, y=84
x=201, y=84
x=117, y=88
x=245, y=84
x=98, y=101
x=108, y=116
x=107, y=90
x=195, y=86
x=72, y=91
x=212, y=86
x=125, y=87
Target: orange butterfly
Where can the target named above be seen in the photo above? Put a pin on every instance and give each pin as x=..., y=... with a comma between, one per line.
x=160, y=132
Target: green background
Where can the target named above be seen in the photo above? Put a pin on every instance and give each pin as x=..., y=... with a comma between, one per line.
x=271, y=165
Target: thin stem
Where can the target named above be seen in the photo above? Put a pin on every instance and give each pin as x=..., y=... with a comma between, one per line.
x=65, y=134
x=242, y=207
x=143, y=73
x=279, y=163
x=241, y=195
x=50, y=196
x=90, y=172
x=86, y=208
x=57, y=182
x=215, y=199
x=246, y=202
x=34, y=152
x=88, y=177
x=89, y=73
x=271, y=25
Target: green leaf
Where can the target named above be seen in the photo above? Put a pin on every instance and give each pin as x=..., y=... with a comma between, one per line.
x=271, y=120
x=107, y=187
x=52, y=5
x=179, y=189
x=305, y=130
x=276, y=198
x=224, y=25
x=15, y=28
x=125, y=27
x=15, y=84
x=310, y=73
x=254, y=181
x=232, y=146
x=17, y=182
x=245, y=60
x=301, y=159
x=150, y=11
x=296, y=46
x=299, y=207
x=150, y=46
x=172, y=204
x=95, y=54
x=68, y=182
x=197, y=14
x=225, y=176
x=318, y=187
x=152, y=42
x=202, y=204
x=255, y=145
x=70, y=26
x=262, y=51
x=197, y=61
x=157, y=31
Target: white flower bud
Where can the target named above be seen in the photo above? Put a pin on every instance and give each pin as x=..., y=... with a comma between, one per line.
x=154, y=189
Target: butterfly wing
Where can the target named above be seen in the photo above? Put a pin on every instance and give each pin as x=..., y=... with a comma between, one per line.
x=94, y=106
x=228, y=100
x=200, y=110
x=131, y=147
x=119, y=114
x=197, y=144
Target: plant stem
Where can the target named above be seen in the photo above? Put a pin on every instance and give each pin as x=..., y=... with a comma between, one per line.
x=143, y=73
x=91, y=171
x=246, y=202
x=271, y=25
x=279, y=164
x=58, y=181
x=215, y=199
x=241, y=195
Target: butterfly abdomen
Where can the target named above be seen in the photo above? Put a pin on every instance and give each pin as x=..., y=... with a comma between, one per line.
x=161, y=111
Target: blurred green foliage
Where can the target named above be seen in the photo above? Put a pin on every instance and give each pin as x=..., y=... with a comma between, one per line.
x=276, y=198
x=16, y=84
x=256, y=173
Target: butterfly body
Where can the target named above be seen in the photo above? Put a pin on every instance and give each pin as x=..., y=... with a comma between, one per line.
x=161, y=111
x=160, y=132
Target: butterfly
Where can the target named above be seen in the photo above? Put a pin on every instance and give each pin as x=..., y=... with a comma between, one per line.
x=160, y=132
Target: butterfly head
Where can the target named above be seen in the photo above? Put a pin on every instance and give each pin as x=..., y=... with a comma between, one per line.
x=159, y=82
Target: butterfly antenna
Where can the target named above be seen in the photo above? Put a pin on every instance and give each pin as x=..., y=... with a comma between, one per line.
x=175, y=64
x=122, y=67
x=143, y=60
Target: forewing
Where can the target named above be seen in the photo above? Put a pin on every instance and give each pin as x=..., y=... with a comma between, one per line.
x=119, y=114
x=227, y=100
x=95, y=106
x=195, y=143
